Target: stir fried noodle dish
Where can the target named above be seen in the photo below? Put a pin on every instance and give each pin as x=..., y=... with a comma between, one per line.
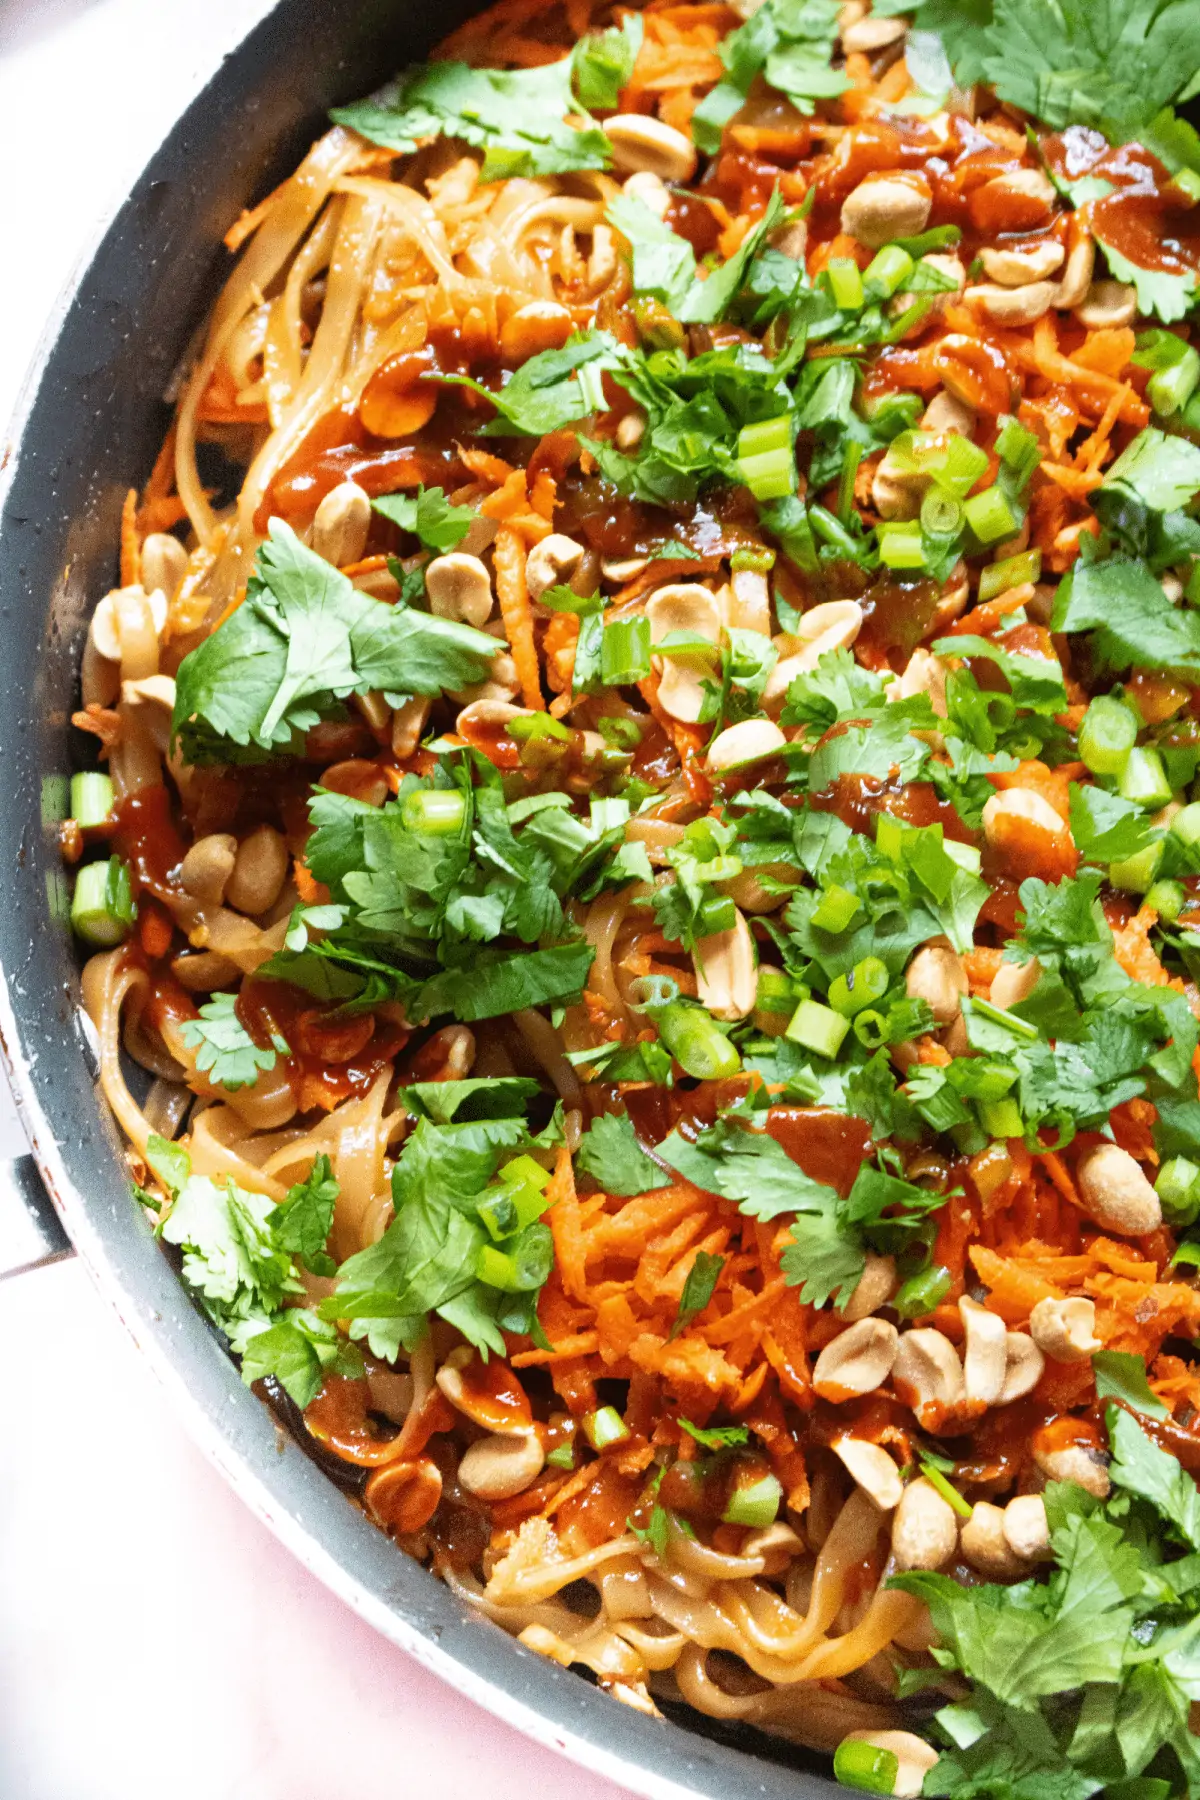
x=641, y=825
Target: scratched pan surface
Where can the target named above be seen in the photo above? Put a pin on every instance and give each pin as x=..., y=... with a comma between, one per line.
x=90, y=426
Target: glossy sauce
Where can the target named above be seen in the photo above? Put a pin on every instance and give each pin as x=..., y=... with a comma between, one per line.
x=148, y=838
x=266, y=1007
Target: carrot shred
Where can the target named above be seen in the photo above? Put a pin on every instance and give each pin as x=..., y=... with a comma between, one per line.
x=131, y=556
x=513, y=595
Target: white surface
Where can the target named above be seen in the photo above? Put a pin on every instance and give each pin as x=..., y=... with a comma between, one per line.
x=154, y=1639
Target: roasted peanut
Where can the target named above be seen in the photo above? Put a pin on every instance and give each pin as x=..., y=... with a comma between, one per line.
x=750, y=741
x=1016, y=265
x=883, y=207
x=925, y=1530
x=259, y=871
x=460, y=588
x=551, y=562
x=1116, y=1193
x=876, y=1285
x=985, y=1546
x=496, y=1468
x=642, y=143
x=928, y=1376
x=986, y=1359
x=936, y=975
x=1064, y=1330
x=207, y=867
x=341, y=524
x=857, y=1361
x=726, y=967
x=1023, y=1369
x=872, y=1468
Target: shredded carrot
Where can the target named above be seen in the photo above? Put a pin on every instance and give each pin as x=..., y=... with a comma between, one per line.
x=513, y=595
x=131, y=557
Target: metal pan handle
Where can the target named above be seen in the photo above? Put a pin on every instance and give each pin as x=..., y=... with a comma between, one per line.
x=31, y=1232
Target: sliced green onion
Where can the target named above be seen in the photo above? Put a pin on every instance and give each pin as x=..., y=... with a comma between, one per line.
x=941, y=514
x=1169, y=389
x=998, y=1016
x=845, y=283
x=523, y=1267
x=862, y=1765
x=836, y=909
x=1013, y=572
x=648, y=991
x=1001, y=1118
x=831, y=531
x=867, y=982
x=951, y=1495
x=850, y=462
x=818, y=1028
x=603, y=1427
x=1018, y=449
x=889, y=836
x=1168, y=899
x=102, y=908
x=91, y=799
x=716, y=912
x=766, y=458
x=1187, y=183
x=775, y=993
x=871, y=1030
x=526, y=728
x=1143, y=779
x=696, y=1042
x=1186, y=824
x=1107, y=735
x=901, y=545
x=434, y=812
x=963, y=462
x=1178, y=1188
x=625, y=652
x=759, y=560
x=888, y=270
x=1136, y=874
x=990, y=515
x=561, y=1457
x=499, y=1213
x=756, y=1503
x=917, y=1297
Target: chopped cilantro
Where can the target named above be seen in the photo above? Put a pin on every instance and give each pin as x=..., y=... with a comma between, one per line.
x=610, y=1153
x=225, y=1051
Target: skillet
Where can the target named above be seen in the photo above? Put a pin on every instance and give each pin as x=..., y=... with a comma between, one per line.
x=89, y=428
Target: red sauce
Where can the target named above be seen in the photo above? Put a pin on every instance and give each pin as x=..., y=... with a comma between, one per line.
x=599, y=1511
x=148, y=838
x=1141, y=218
x=896, y=618
x=829, y=1146
x=495, y=1396
x=268, y=1007
x=856, y=799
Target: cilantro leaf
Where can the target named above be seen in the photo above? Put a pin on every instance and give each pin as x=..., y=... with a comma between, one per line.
x=299, y=1352
x=698, y=1289
x=552, y=389
x=1130, y=618
x=428, y=513
x=1106, y=828
x=304, y=1218
x=301, y=641
x=1121, y=1376
x=517, y=116
x=1115, y=64
x=1160, y=293
x=748, y=1167
x=602, y=62
x=1141, y=1468
x=825, y=1258
x=610, y=1153
x=716, y=1437
x=225, y=1051
x=230, y=1256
